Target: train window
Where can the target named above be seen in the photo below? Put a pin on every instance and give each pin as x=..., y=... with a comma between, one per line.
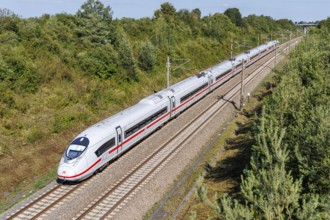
x=106, y=146
x=128, y=133
x=254, y=56
x=74, y=151
x=83, y=141
x=145, y=122
x=221, y=75
x=187, y=96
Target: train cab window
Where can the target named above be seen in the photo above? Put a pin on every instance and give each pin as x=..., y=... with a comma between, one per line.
x=76, y=148
x=74, y=151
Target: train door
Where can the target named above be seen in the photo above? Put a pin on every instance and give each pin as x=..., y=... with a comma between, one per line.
x=210, y=83
x=119, y=139
x=172, y=106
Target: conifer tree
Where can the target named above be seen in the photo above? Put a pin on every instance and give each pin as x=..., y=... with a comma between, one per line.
x=125, y=53
x=95, y=22
x=234, y=15
x=268, y=189
x=147, y=56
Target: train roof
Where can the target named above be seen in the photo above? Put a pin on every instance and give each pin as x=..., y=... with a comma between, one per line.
x=101, y=130
x=184, y=84
x=158, y=97
x=270, y=43
x=221, y=67
x=262, y=47
x=240, y=57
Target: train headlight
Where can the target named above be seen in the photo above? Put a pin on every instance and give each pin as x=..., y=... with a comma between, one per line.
x=65, y=171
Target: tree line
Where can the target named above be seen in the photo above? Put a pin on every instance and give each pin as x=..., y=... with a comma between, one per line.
x=288, y=175
x=93, y=43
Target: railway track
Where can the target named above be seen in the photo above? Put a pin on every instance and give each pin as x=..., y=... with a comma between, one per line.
x=107, y=205
x=112, y=200
x=40, y=206
x=158, y=212
x=45, y=202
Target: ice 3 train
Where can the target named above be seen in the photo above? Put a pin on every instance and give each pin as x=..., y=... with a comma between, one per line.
x=96, y=146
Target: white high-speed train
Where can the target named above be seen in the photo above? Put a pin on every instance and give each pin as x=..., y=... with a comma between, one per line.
x=93, y=148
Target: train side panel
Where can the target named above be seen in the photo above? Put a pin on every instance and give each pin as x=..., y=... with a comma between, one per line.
x=116, y=134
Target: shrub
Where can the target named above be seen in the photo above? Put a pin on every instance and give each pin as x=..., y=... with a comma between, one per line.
x=34, y=134
x=147, y=56
x=62, y=122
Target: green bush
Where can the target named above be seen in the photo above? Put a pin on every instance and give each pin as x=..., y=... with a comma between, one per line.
x=34, y=134
x=62, y=122
x=147, y=56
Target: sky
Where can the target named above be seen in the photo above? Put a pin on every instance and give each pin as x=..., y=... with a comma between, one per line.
x=295, y=10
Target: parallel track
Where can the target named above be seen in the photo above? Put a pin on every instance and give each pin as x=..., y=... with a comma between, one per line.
x=45, y=202
x=107, y=205
x=157, y=214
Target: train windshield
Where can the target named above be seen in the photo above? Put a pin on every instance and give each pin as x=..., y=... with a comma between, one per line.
x=74, y=151
x=77, y=147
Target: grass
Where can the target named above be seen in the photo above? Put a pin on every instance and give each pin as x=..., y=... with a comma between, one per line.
x=36, y=130
x=19, y=194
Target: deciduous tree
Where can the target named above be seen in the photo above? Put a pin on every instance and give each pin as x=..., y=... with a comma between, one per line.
x=147, y=56
x=234, y=15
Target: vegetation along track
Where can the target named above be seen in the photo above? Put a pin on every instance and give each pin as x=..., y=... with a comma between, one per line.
x=113, y=200
x=157, y=213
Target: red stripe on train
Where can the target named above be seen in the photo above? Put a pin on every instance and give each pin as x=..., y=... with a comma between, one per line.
x=69, y=177
x=157, y=120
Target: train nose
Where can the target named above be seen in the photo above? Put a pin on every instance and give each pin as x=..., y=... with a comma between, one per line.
x=65, y=172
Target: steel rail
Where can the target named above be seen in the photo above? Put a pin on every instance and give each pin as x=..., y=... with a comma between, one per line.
x=160, y=163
